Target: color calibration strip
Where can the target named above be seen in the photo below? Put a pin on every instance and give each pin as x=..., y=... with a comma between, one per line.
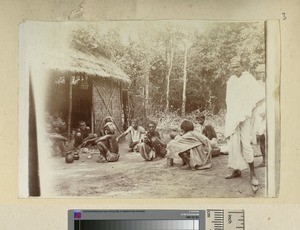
x=210, y=219
x=138, y=224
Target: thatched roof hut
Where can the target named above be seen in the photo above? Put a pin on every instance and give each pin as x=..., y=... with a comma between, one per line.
x=75, y=62
x=95, y=89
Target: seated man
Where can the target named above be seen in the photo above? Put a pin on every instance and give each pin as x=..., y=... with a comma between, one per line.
x=136, y=135
x=108, y=125
x=108, y=145
x=209, y=131
x=57, y=129
x=111, y=121
x=83, y=133
x=191, y=146
x=200, y=125
x=152, y=147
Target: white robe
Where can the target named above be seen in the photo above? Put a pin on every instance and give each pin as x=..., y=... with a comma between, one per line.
x=242, y=95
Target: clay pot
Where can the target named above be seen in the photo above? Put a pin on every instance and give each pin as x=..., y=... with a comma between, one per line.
x=76, y=156
x=69, y=158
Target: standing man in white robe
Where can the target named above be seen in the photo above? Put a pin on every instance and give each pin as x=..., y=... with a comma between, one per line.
x=241, y=98
x=259, y=120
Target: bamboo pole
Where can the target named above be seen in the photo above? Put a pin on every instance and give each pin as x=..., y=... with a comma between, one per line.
x=70, y=107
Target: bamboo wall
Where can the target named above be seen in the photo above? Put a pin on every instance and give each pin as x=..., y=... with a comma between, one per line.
x=108, y=91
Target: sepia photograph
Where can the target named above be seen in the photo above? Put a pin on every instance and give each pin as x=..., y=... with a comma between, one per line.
x=148, y=109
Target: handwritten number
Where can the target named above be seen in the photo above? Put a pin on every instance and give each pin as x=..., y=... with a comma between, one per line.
x=284, y=16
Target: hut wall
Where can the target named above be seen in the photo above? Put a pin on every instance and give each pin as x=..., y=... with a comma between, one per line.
x=110, y=93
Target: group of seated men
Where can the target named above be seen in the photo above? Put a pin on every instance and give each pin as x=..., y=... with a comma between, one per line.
x=148, y=142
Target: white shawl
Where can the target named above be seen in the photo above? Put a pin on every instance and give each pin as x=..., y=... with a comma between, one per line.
x=242, y=95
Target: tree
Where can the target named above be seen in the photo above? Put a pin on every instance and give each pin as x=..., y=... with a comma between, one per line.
x=163, y=67
x=169, y=55
x=209, y=58
x=184, y=78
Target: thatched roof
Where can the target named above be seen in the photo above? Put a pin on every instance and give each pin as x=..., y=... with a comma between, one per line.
x=78, y=62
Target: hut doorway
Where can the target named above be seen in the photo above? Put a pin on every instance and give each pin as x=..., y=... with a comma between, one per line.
x=82, y=103
x=62, y=94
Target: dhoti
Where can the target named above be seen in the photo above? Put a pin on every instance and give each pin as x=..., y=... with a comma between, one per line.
x=239, y=147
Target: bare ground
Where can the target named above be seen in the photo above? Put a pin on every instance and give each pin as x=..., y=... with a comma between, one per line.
x=133, y=177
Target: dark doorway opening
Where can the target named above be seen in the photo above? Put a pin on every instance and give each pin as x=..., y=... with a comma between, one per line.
x=82, y=103
x=58, y=100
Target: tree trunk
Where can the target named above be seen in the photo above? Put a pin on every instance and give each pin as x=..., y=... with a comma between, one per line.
x=147, y=87
x=170, y=62
x=146, y=96
x=184, y=81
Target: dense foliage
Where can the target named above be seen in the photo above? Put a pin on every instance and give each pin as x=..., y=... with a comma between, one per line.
x=146, y=57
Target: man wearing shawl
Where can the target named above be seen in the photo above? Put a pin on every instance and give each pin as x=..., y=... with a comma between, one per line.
x=192, y=146
x=242, y=96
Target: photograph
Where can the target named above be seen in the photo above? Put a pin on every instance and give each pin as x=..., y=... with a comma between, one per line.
x=147, y=109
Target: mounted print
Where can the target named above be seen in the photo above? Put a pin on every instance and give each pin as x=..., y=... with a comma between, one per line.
x=149, y=109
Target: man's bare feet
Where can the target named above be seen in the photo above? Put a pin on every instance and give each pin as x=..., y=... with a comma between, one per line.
x=186, y=167
x=101, y=159
x=235, y=173
x=157, y=158
x=254, y=188
x=254, y=181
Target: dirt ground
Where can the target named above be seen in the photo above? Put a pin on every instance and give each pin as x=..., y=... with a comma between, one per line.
x=133, y=177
